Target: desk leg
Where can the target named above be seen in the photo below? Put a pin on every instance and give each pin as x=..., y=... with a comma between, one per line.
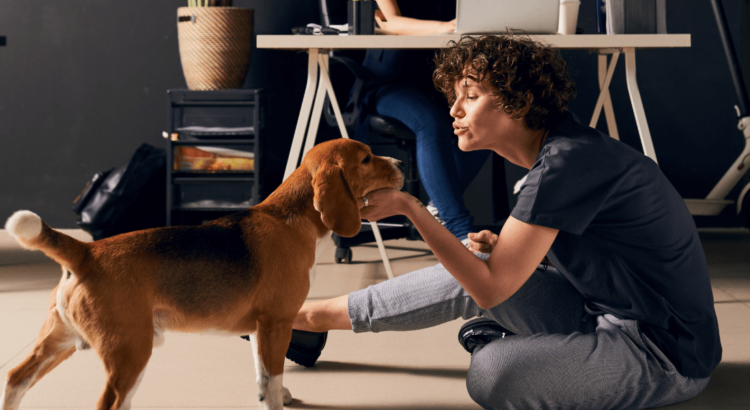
x=635, y=100
x=381, y=248
x=332, y=96
x=604, y=87
x=609, y=112
x=340, y=120
x=304, y=112
x=323, y=85
x=317, y=111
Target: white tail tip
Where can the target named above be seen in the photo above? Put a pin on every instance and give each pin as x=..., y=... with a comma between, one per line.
x=24, y=224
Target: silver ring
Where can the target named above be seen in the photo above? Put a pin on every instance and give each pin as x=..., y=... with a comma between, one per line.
x=367, y=203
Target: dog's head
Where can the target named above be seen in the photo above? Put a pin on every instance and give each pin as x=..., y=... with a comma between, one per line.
x=344, y=170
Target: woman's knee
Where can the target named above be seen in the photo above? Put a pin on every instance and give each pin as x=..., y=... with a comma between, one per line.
x=490, y=378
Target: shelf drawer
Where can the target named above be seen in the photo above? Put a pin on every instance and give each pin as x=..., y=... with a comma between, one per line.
x=199, y=111
x=215, y=196
x=213, y=160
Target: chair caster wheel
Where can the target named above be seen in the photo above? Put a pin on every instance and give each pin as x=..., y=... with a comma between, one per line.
x=344, y=255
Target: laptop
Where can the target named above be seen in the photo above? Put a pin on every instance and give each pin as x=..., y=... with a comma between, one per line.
x=498, y=16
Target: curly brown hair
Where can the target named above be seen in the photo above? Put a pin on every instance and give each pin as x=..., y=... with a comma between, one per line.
x=527, y=79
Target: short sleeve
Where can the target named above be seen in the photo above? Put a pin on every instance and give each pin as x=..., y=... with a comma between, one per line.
x=562, y=191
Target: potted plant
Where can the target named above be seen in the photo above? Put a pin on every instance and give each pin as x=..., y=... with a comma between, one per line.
x=215, y=41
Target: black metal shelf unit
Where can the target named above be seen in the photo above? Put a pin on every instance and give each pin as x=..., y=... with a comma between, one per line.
x=215, y=119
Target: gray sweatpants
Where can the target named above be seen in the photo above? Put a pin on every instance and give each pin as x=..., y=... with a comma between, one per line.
x=560, y=358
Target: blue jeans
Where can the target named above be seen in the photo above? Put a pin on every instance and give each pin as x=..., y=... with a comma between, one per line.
x=444, y=169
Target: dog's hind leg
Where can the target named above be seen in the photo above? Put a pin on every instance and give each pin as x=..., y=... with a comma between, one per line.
x=55, y=344
x=125, y=359
x=270, y=344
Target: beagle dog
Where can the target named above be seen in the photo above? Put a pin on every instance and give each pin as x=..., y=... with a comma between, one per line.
x=245, y=273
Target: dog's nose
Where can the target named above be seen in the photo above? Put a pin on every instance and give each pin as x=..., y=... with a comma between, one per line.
x=396, y=163
x=400, y=165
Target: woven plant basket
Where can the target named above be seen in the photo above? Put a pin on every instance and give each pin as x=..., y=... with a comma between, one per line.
x=215, y=44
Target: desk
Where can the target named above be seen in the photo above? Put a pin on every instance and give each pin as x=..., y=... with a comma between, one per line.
x=609, y=48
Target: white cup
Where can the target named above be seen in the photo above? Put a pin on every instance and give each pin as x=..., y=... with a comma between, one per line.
x=568, y=16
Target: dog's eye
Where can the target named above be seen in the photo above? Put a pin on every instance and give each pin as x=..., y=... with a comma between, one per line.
x=366, y=160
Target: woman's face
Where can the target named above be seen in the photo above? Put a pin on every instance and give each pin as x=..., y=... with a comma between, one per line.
x=476, y=120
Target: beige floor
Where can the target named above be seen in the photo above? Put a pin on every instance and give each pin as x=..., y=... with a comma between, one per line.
x=416, y=370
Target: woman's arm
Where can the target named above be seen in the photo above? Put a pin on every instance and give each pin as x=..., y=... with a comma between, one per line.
x=519, y=249
x=389, y=19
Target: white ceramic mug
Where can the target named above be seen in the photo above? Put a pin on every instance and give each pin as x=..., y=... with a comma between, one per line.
x=568, y=16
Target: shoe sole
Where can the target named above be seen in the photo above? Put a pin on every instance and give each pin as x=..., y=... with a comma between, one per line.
x=481, y=327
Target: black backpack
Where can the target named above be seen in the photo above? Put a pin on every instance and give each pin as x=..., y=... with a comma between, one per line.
x=125, y=199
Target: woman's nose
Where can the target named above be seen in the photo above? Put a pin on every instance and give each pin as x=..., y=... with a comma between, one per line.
x=456, y=111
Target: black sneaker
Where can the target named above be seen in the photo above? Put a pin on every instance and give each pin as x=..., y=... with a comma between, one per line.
x=479, y=332
x=305, y=347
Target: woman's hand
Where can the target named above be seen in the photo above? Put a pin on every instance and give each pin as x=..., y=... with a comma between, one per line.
x=391, y=21
x=383, y=203
x=447, y=26
x=483, y=241
x=381, y=20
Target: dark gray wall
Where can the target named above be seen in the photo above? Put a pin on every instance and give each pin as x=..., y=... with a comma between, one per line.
x=687, y=94
x=84, y=85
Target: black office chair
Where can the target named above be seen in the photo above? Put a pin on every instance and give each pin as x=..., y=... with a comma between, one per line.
x=383, y=130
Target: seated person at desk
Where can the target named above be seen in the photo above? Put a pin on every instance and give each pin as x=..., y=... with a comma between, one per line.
x=619, y=314
x=404, y=91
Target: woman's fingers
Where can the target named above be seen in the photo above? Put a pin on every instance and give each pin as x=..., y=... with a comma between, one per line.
x=484, y=236
x=483, y=241
x=381, y=20
x=488, y=237
x=380, y=203
x=479, y=247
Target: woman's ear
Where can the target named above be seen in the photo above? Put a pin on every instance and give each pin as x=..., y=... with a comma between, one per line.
x=335, y=201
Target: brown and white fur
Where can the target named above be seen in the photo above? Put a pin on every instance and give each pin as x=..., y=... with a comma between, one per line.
x=247, y=273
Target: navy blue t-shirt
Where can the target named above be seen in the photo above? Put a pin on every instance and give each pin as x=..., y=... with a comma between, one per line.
x=627, y=241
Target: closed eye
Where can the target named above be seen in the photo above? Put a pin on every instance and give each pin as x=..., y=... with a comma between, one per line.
x=367, y=159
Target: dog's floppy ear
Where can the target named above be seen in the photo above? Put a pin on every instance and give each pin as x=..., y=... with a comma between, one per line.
x=335, y=201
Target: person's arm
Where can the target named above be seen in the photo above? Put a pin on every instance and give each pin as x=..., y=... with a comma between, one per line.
x=519, y=248
x=389, y=19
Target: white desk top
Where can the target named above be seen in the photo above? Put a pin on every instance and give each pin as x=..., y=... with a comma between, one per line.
x=578, y=41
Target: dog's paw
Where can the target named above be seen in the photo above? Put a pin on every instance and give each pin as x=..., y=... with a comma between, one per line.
x=273, y=403
x=263, y=387
x=287, y=396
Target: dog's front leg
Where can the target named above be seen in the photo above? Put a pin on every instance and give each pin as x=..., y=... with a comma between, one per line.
x=269, y=351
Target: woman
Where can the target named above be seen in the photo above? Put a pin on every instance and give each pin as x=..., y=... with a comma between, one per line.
x=402, y=90
x=624, y=319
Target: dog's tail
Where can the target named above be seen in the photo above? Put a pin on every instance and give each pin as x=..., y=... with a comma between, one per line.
x=32, y=233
